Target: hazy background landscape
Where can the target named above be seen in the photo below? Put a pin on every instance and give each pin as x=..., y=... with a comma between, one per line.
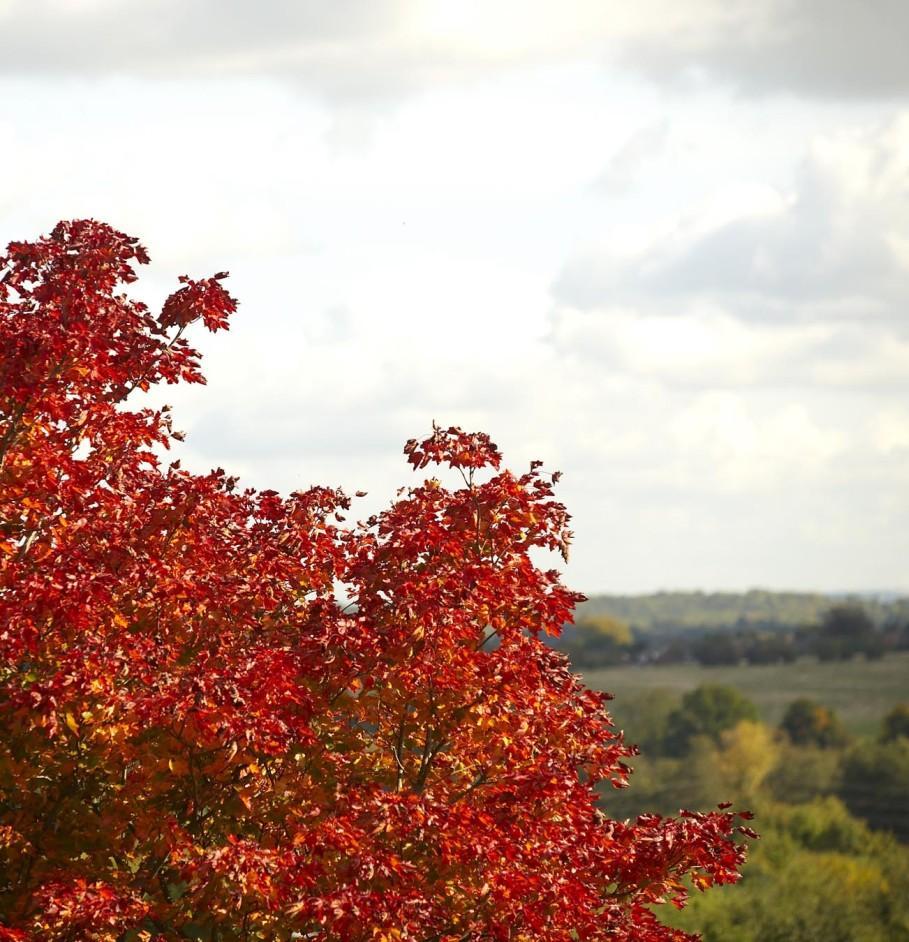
x=794, y=704
x=662, y=246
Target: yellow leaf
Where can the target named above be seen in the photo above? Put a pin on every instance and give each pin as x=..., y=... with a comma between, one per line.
x=178, y=766
x=72, y=724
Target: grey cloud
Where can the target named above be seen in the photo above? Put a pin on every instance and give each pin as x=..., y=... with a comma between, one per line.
x=845, y=358
x=331, y=45
x=361, y=49
x=831, y=254
x=849, y=356
x=814, y=294
x=347, y=51
x=43, y=35
x=824, y=48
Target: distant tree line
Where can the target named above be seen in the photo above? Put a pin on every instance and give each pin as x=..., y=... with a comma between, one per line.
x=672, y=612
x=841, y=632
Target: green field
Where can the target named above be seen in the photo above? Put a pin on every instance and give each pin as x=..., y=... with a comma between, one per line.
x=860, y=692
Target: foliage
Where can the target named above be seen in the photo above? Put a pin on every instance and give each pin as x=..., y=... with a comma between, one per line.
x=199, y=741
x=607, y=627
x=803, y=773
x=713, y=649
x=738, y=765
x=875, y=784
x=847, y=630
x=896, y=723
x=645, y=714
x=848, y=620
x=819, y=872
x=806, y=722
x=862, y=690
x=706, y=711
x=748, y=761
x=725, y=629
x=818, y=875
x=758, y=608
x=596, y=640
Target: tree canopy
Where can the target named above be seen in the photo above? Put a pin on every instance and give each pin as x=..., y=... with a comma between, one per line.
x=201, y=740
x=707, y=711
x=808, y=723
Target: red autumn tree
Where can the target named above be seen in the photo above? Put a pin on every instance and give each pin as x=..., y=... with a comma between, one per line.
x=199, y=741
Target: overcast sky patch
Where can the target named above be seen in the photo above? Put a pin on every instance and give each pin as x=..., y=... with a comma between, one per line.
x=662, y=246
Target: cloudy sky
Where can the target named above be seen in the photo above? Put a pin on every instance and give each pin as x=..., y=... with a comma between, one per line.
x=662, y=245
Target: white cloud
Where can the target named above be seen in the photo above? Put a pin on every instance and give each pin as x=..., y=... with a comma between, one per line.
x=705, y=347
x=833, y=248
x=639, y=149
x=890, y=430
x=722, y=384
x=750, y=449
x=747, y=360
